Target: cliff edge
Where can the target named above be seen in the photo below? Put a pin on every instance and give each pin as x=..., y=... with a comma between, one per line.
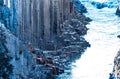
x=116, y=68
x=46, y=37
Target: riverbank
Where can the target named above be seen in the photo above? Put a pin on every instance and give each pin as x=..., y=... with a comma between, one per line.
x=72, y=43
x=102, y=34
x=30, y=62
x=48, y=64
x=116, y=68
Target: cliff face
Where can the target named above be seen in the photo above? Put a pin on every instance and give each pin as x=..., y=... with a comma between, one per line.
x=39, y=22
x=5, y=65
x=33, y=26
x=44, y=20
x=19, y=64
x=116, y=69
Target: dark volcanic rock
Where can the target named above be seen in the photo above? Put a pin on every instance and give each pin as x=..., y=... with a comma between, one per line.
x=80, y=6
x=99, y=5
x=41, y=65
x=116, y=69
x=50, y=46
x=1, y=2
x=111, y=76
x=118, y=13
x=5, y=16
x=118, y=36
x=6, y=67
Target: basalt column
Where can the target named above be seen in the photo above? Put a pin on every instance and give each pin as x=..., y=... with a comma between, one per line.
x=39, y=22
x=46, y=21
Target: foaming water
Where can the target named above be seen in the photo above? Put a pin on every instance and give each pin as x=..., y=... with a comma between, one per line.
x=97, y=61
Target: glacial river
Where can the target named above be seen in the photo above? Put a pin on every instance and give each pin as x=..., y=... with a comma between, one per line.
x=97, y=61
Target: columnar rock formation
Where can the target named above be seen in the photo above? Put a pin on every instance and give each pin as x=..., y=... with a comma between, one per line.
x=40, y=21
x=43, y=24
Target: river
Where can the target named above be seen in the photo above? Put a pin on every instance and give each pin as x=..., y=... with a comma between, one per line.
x=97, y=61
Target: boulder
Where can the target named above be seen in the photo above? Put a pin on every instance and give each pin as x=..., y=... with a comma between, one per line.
x=118, y=36
x=111, y=76
x=118, y=13
x=56, y=70
x=49, y=61
x=40, y=61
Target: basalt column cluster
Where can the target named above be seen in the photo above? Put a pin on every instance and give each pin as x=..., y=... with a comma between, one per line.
x=32, y=26
x=40, y=21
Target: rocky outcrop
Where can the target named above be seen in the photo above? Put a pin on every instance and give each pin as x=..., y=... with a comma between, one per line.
x=5, y=15
x=24, y=62
x=116, y=69
x=110, y=4
x=118, y=12
x=118, y=36
x=6, y=68
x=54, y=25
x=81, y=8
x=44, y=20
x=99, y=5
x=29, y=62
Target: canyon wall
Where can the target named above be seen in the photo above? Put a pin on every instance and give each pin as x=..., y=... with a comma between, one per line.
x=32, y=26
x=116, y=68
x=40, y=21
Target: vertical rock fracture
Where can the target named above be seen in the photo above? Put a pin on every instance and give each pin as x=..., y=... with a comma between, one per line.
x=42, y=36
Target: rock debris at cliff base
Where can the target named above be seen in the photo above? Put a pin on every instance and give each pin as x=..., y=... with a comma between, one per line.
x=51, y=63
x=42, y=41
